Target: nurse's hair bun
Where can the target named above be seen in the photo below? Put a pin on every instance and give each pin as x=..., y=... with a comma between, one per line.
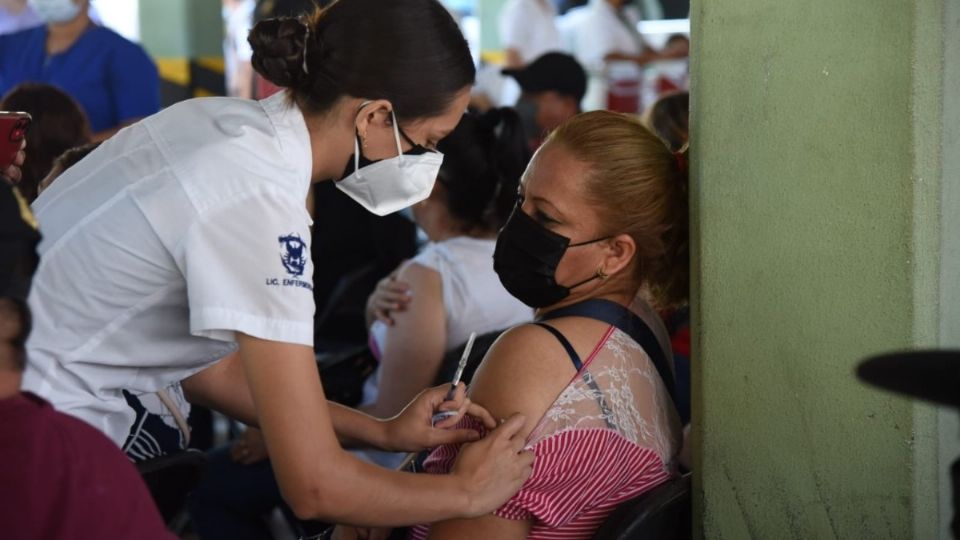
x=278, y=51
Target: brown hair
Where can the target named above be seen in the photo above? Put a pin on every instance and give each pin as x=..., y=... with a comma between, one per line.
x=410, y=52
x=58, y=124
x=64, y=161
x=641, y=188
x=669, y=118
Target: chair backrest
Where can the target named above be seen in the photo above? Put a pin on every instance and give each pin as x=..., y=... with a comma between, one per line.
x=663, y=513
x=171, y=478
x=450, y=360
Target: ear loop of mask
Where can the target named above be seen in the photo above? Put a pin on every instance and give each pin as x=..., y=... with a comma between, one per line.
x=598, y=274
x=356, y=140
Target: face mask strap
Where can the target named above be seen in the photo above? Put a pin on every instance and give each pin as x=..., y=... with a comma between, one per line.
x=396, y=135
x=356, y=140
x=356, y=153
x=584, y=282
x=590, y=242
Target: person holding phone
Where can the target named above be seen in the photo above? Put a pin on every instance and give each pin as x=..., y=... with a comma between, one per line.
x=177, y=253
x=13, y=140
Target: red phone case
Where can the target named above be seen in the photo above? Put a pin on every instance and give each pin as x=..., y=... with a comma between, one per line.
x=13, y=130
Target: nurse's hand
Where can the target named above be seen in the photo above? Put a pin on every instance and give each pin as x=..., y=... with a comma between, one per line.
x=12, y=174
x=412, y=430
x=495, y=468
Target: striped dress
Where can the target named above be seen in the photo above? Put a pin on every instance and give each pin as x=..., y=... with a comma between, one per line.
x=611, y=435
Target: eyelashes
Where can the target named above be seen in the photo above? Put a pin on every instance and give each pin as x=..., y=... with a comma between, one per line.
x=544, y=218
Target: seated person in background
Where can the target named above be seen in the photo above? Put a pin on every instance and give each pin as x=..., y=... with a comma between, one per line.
x=112, y=79
x=58, y=125
x=64, y=161
x=601, y=214
x=669, y=118
x=61, y=478
x=553, y=86
x=450, y=289
x=16, y=15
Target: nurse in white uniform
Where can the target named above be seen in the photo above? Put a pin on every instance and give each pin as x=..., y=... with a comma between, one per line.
x=184, y=240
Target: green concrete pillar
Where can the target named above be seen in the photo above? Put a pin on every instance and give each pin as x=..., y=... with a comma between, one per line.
x=826, y=204
x=488, y=11
x=185, y=37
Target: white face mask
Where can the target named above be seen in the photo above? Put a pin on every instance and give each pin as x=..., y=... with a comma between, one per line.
x=55, y=11
x=386, y=186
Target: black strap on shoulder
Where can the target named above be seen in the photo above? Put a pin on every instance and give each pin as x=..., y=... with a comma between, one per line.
x=626, y=321
x=574, y=357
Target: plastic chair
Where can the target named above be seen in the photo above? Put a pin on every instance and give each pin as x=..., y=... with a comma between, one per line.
x=170, y=480
x=663, y=513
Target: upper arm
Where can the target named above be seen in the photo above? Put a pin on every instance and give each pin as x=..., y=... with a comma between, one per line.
x=135, y=83
x=247, y=269
x=415, y=344
x=524, y=371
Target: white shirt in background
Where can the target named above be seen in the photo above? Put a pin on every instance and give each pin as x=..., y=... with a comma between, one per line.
x=530, y=28
x=238, y=20
x=596, y=30
x=474, y=300
x=176, y=233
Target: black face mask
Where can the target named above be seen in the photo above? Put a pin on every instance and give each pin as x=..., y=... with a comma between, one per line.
x=526, y=260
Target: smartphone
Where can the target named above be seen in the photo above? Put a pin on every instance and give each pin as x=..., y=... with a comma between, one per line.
x=13, y=130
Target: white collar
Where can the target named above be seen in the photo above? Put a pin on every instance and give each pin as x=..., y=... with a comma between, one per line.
x=292, y=133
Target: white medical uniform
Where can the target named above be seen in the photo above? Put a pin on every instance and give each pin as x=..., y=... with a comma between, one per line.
x=176, y=233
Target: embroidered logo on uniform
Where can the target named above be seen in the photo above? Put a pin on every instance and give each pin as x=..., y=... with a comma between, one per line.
x=293, y=254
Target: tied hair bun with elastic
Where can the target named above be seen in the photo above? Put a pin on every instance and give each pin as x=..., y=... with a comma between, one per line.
x=278, y=51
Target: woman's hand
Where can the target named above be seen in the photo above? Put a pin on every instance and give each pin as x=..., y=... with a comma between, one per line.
x=389, y=296
x=12, y=174
x=249, y=448
x=494, y=468
x=412, y=430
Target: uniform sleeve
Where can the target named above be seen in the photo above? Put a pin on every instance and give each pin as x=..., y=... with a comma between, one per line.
x=577, y=470
x=134, y=83
x=248, y=269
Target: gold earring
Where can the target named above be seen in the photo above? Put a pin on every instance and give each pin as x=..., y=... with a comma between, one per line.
x=601, y=274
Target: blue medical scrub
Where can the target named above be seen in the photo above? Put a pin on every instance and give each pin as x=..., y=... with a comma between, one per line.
x=111, y=78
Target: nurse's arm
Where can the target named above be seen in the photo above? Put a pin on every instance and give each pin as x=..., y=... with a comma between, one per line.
x=224, y=388
x=319, y=480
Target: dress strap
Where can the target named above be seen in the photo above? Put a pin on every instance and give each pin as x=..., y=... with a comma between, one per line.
x=574, y=357
x=629, y=323
x=605, y=409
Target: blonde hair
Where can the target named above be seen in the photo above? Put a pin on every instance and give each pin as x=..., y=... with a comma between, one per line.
x=640, y=187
